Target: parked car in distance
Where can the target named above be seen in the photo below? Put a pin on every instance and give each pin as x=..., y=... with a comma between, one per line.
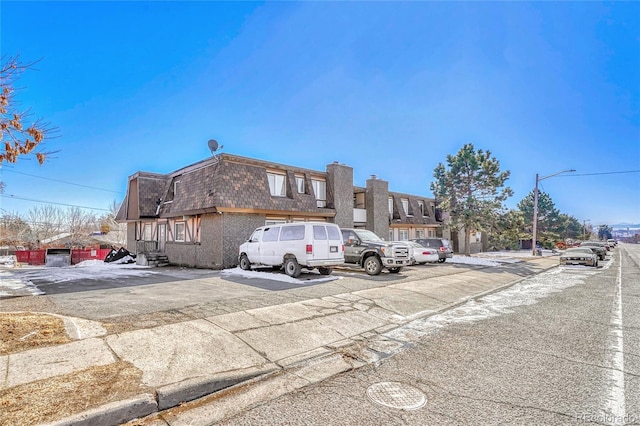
x=441, y=244
x=579, y=256
x=613, y=242
x=601, y=250
x=420, y=254
x=294, y=246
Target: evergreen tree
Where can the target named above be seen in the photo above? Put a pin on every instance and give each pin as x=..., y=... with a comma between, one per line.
x=470, y=188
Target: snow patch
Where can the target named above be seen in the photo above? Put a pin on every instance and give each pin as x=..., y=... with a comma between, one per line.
x=527, y=292
x=275, y=276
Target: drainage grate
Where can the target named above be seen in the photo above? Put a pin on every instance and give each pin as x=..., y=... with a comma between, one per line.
x=396, y=395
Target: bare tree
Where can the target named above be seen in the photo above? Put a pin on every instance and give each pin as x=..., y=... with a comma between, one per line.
x=14, y=230
x=46, y=221
x=19, y=135
x=117, y=232
x=81, y=225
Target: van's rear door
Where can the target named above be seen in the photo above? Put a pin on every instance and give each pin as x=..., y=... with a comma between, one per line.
x=320, y=242
x=331, y=246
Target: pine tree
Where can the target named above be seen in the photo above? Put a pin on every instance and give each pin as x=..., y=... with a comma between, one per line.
x=470, y=188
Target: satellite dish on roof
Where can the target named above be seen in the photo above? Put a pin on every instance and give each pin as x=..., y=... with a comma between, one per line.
x=213, y=146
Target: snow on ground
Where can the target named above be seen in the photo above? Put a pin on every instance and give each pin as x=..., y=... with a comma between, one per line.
x=466, y=260
x=9, y=261
x=87, y=270
x=276, y=276
x=11, y=285
x=527, y=292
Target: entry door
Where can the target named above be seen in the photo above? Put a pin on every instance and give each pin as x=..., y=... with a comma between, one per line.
x=162, y=236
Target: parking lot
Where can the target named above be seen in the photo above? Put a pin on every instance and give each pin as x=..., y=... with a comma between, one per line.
x=102, y=291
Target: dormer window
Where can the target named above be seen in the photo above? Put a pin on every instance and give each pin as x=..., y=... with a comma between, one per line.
x=421, y=207
x=277, y=184
x=320, y=189
x=405, y=206
x=300, y=184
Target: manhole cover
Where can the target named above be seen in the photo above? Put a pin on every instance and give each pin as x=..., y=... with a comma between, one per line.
x=396, y=395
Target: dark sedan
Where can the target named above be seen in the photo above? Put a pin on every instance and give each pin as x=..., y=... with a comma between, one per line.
x=600, y=249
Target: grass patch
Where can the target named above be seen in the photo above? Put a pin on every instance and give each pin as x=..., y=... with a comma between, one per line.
x=24, y=331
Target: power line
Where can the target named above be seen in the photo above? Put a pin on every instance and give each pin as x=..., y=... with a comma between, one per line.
x=50, y=202
x=62, y=181
x=596, y=174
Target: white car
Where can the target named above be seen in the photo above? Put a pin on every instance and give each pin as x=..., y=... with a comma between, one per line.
x=420, y=254
x=293, y=246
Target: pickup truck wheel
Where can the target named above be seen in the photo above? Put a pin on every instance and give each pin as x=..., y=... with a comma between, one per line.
x=394, y=270
x=244, y=263
x=325, y=271
x=372, y=265
x=292, y=268
x=441, y=260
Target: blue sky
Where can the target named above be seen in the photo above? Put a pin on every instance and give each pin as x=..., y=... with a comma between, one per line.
x=388, y=88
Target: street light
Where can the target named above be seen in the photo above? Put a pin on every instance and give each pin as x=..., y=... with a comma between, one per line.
x=535, y=208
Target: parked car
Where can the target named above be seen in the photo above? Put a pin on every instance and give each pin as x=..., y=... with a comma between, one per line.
x=600, y=249
x=293, y=246
x=613, y=242
x=441, y=244
x=421, y=255
x=579, y=256
x=372, y=253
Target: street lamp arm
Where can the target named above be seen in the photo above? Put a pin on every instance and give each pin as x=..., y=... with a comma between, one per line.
x=555, y=174
x=534, y=236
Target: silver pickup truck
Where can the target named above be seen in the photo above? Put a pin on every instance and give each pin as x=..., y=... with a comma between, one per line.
x=372, y=253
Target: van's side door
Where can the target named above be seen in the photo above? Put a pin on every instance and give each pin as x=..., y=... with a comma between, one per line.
x=269, y=246
x=253, y=246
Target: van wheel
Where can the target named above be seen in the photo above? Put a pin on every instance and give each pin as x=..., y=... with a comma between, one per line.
x=292, y=268
x=325, y=271
x=244, y=263
x=394, y=270
x=372, y=265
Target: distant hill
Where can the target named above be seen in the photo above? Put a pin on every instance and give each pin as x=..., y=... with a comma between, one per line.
x=625, y=225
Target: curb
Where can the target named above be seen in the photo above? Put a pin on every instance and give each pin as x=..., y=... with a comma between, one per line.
x=113, y=413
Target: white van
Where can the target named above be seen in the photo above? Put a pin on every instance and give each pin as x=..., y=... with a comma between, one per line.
x=294, y=246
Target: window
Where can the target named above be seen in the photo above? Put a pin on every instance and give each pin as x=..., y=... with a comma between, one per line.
x=300, y=184
x=334, y=233
x=405, y=206
x=277, y=184
x=432, y=232
x=180, y=227
x=255, y=237
x=391, y=206
x=291, y=233
x=271, y=234
x=421, y=207
x=419, y=233
x=320, y=189
x=319, y=232
x=403, y=234
x=390, y=234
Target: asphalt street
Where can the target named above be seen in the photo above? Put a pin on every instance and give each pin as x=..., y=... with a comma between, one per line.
x=559, y=348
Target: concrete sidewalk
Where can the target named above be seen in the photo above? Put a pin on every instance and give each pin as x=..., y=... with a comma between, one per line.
x=186, y=360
